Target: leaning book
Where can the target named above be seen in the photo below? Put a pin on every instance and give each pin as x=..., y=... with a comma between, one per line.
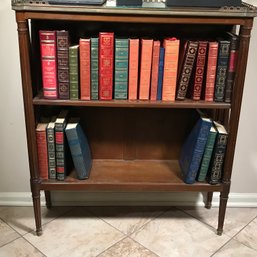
x=80, y=150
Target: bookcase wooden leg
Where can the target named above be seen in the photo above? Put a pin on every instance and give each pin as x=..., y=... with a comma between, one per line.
x=48, y=199
x=37, y=211
x=222, y=209
x=208, y=202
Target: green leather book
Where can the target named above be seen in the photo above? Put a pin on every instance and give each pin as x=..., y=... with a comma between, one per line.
x=207, y=154
x=121, y=69
x=74, y=72
x=94, y=68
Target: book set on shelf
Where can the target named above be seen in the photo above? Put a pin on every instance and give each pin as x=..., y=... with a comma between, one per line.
x=108, y=67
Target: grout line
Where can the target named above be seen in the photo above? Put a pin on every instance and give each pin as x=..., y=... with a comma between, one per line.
x=34, y=246
x=221, y=247
x=10, y=241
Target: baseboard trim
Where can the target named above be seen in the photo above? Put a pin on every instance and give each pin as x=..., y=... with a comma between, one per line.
x=127, y=198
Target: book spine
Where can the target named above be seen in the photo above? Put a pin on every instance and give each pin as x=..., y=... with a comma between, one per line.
x=222, y=65
x=121, y=69
x=62, y=38
x=234, y=45
x=42, y=153
x=216, y=166
x=145, y=68
x=187, y=70
x=49, y=63
x=74, y=72
x=85, y=70
x=160, y=73
x=133, y=68
x=106, y=45
x=94, y=68
x=211, y=71
x=170, y=69
x=207, y=156
x=199, y=71
x=51, y=153
x=155, y=69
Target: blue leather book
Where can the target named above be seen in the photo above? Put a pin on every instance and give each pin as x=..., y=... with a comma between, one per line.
x=160, y=74
x=193, y=149
x=80, y=150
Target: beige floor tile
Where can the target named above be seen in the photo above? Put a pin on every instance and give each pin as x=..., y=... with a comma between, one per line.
x=22, y=218
x=19, y=248
x=7, y=234
x=78, y=233
x=235, y=219
x=248, y=235
x=235, y=249
x=127, y=219
x=127, y=248
x=178, y=235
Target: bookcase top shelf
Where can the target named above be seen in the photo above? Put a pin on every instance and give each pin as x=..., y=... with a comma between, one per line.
x=246, y=10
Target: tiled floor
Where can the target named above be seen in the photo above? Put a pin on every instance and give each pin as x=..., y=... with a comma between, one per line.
x=128, y=231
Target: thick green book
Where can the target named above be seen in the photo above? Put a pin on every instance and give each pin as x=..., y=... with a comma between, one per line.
x=74, y=72
x=121, y=69
x=207, y=154
x=94, y=68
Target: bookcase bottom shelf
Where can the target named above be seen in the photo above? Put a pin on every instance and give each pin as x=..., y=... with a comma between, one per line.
x=139, y=175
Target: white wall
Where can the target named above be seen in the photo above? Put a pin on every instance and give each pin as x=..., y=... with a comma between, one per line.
x=14, y=173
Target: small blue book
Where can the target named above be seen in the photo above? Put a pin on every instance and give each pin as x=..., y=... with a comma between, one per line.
x=193, y=149
x=160, y=73
x=80, y=150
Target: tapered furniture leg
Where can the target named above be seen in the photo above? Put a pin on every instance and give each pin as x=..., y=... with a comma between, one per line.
x=37, y=210
x=48, y=199
x=208, y=202
x=222, y=211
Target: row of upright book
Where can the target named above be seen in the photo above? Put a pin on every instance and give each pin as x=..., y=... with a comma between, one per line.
x=60, y=143
x=203, y=152
x=107, y=67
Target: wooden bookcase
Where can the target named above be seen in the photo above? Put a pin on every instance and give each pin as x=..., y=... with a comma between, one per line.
x=135, y=144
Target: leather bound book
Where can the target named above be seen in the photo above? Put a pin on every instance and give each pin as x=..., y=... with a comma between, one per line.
x=133, y=68
x=211, y=71
x=233, y=57
x=74, y=71
x=42, y=153
x=222, y=66
x=155, y=70
x=94, y=68
x=50, y=131
x=145, y=68
x=85, y=70
x=186, y=71
x=49, y=63
x=171, y=46
x=62, y=39
x=199, y=70
x=106, y=49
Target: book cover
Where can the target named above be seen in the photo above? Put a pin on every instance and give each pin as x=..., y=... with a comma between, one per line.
x=74, y=71
x=171, y=46
x=42, y=152
x=155, y=70
x=207, y=154
x=133, y=68
x=106, y=56
x=80, y=150
x=62, y=38
x=160, y=73
x=193, y=149
x=216, y=166
x=233, y=59
x=121, y=68
x=186, y=71
x=145, y=68
x=51, y=150
x=222, y=66
x=47, y=41
x=94, y=68
x=85, y=69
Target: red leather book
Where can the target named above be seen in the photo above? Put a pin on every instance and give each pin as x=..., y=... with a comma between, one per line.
x=49, y=63
x=145, y=68
x=171, y=46
x=42, y=153
x=199, y=71
x=85, y=69
x=211, y=71
x=133, y=68
x=106, y=48
x=155, y=69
